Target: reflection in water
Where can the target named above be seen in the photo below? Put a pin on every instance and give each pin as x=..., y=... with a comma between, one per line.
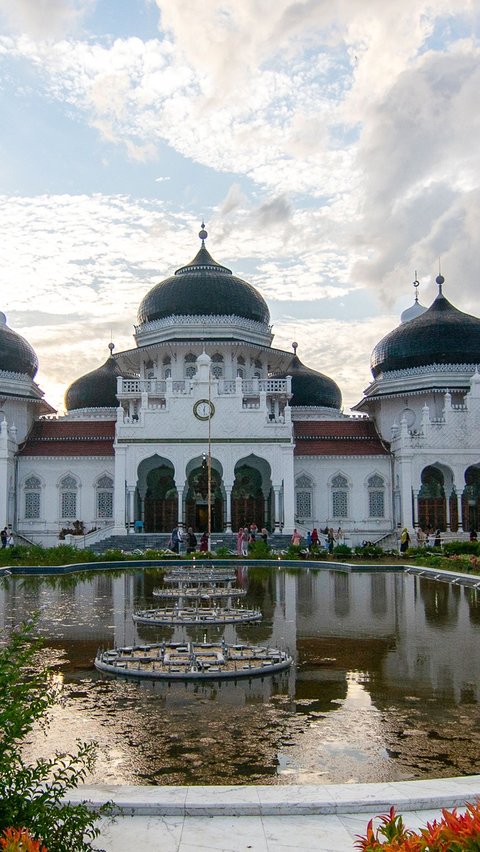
x=383, y=664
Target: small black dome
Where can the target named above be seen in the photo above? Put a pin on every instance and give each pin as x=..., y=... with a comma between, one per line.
x=441, y=335
x=309, y=387
x=16, y=354
x=97, y=389
x=203, y=288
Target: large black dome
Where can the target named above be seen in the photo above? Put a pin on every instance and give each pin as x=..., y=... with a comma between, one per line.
x=16, y=354
x=309, y=387
x=203, y=288
x=441, y=335
x=97, y=389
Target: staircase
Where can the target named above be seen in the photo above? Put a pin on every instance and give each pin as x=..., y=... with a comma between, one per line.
x=159, y=541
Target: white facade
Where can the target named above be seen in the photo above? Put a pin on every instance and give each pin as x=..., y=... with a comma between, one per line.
x=205, y=405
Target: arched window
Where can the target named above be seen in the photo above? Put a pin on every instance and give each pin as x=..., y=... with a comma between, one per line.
x=217, y=365
x=303, y=495
x=68, y=497
x=105, y=497
x=167, y=369
x=150, y=370
x=190, y=365
x=240, y=367
x=340, y=490
x=376, y=496
x=32, y=488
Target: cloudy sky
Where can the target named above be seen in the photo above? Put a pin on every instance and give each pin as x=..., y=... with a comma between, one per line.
x=331, y=147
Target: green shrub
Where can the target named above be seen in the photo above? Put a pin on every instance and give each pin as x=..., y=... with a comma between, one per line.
x=453, y=548
x=342, y=550
x=223, y=552
x=31, y=794
x=259, y=549
x=114, y=554
x=368, y=551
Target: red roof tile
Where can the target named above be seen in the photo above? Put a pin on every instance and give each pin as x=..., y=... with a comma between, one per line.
x=70, y=438
x=338, y=438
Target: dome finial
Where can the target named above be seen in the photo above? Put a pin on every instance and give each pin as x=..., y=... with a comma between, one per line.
x=111, y=346
x=416, y=284
x=294, y=347
x=203, y=234
x=439, y=279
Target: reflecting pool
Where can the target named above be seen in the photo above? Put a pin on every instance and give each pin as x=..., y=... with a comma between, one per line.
x=385, y=684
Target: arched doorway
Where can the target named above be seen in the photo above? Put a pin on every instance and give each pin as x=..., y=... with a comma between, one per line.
x=196, y=500
x=471, y=499
x=251, y=494
x=161, y=499
x=432, y=509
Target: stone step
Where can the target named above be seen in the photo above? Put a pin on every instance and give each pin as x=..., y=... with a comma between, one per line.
x=159, y=541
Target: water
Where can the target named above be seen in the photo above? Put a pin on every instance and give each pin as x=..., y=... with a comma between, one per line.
x=385, y=685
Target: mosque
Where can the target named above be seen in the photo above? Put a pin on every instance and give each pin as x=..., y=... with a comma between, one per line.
x=203, y=421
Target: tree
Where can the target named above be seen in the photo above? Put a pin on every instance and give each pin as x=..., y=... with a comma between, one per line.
x=32, y=794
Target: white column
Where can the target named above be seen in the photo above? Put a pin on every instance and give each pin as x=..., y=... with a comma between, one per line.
x=288, y=488
x=120, y=489
x=180, y=504
x=130, y=507
x=459, y=511
x=276, y=491
x=3, y=474
x=228, y=499
x=404, y=467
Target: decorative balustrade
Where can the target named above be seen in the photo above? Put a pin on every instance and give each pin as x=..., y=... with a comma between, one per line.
x=156, y=387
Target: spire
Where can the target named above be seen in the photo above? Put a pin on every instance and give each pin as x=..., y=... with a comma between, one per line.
x=203, y=234
x=416, y=284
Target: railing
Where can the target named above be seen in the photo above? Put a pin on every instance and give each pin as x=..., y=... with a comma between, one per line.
x=157, y=387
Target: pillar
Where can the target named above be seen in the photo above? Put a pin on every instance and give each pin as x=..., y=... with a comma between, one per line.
x=228, y=500
x=276, y=492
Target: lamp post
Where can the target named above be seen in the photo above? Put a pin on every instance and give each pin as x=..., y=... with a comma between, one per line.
x=209, y=465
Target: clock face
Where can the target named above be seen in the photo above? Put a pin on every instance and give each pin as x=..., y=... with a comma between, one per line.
x=204, y=409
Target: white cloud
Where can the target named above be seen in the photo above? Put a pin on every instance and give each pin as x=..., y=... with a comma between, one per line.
x=44, y=19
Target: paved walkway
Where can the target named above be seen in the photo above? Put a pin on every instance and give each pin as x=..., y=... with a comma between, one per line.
x=307, y=818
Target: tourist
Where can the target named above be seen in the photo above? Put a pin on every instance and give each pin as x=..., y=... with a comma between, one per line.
x=421, y=537
x=245, y=539
x=239, y=541
x=191, y=540
x=204, y=543
x=438, y=539
x=10, y=539
x=181, y=538
x=404, y=540
x=4, y=536
x=174, y=540
x=315, y=537
x=330, y=540
x=264, y=535
x=473, y=535
x=296, y=538
x=340, y=535
x=309, y=541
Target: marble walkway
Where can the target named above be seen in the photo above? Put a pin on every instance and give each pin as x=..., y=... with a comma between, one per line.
x=306, y=818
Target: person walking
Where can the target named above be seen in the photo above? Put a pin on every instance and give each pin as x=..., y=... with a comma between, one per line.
x=4, y=536
x=174, y=540
x=239, y=541
x=245, y=540
x=404, y=540
x=191, y=540
x=296, y=538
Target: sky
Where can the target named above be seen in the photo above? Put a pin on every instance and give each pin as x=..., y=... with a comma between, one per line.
x=330, y=147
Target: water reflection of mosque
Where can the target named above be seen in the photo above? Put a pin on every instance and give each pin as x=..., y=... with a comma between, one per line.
x=395, y=630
